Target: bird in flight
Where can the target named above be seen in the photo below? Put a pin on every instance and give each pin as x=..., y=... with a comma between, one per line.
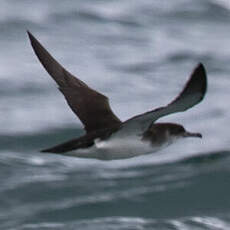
x=107, y=137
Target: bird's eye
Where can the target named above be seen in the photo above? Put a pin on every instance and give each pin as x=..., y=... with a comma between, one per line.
x=179, y=130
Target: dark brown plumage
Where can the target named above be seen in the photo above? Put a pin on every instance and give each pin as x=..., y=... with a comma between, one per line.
x=93, y=108
x=90, y=106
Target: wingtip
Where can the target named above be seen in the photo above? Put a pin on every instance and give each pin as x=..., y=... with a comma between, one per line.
x=49, y=150
x=197, y=84
x=30, y=35
x=199, y=73
x=46, y=151
x=43, y=151
x=203, y=74
x=201, y=67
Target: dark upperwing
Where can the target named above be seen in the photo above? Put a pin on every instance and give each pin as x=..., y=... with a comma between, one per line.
x=82, y=142
x=192, y=93
x=90, y=106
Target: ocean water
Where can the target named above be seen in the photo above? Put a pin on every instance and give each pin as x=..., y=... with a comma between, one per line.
x=139, y=54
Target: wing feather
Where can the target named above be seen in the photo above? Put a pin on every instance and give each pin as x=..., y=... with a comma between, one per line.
x=90, y=106
x=193, y=92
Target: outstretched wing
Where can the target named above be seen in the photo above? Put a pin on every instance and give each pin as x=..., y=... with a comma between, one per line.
x=90, y=106
x=82, y=142
x=192, y=94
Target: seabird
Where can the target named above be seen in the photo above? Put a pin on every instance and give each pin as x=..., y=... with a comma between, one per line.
x=107, y=137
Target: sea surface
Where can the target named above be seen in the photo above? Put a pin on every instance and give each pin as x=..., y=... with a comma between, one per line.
x=139, y=54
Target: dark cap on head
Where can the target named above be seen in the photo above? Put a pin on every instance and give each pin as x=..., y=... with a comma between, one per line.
x=161, y=132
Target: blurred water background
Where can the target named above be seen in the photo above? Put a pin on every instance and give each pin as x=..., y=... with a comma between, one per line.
x=139, y=54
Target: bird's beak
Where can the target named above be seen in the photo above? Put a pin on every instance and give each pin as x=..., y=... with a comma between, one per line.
x=188, y=134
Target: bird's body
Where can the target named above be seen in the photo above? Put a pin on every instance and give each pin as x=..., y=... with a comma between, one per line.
x=111, y=145
x=116, y=148
x=107, y=137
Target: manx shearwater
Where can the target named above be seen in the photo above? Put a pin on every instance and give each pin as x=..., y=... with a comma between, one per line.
x=107, y=137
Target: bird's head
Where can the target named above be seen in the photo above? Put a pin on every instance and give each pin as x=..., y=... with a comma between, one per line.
x=177, y=130
x=167, y=132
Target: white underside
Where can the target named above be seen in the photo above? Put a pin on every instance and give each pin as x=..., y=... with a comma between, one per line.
x=116, y=148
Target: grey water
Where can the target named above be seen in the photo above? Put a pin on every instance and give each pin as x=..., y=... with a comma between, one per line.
x=139, y=54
